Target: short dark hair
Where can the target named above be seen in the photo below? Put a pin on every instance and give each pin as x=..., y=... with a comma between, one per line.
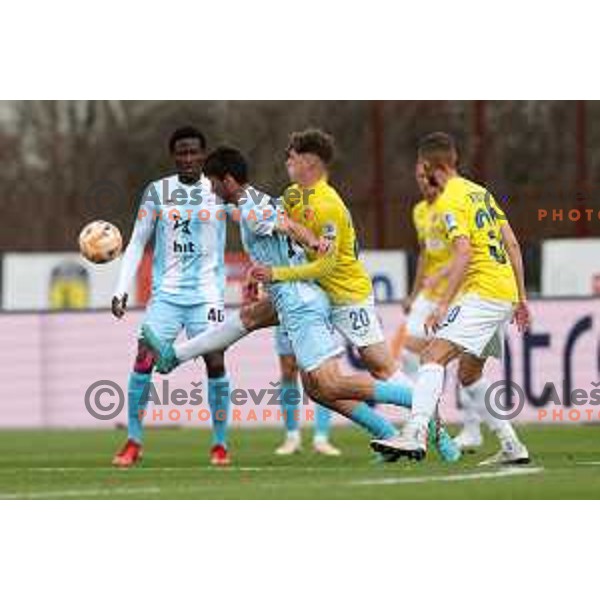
x=226, y=161
x=313, y=141
x=439, y=149
x=186, y=133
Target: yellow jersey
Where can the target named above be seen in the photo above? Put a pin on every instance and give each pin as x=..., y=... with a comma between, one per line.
x=469, y=210
x=437, y=252
x=341, y=274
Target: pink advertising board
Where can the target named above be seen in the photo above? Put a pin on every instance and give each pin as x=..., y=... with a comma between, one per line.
x=49, y=361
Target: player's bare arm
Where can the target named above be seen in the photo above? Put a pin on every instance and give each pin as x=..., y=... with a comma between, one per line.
x=522, y=316
x=456, y=275
x=433, y=280
x=418, y=282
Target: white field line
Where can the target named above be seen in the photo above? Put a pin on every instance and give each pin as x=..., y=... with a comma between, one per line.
x=80, y=493
x=142, y=469
x=508, y=472
x=107, y=493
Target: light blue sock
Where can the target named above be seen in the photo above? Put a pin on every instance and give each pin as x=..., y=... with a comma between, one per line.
x=322, y=422
x=393, y=392
x=377, y=425
x=291, y=399
x=138, y=390
x=218, y=400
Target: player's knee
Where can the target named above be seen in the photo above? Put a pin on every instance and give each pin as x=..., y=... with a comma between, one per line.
x=144, y=360
x=468, y=373
x=326, y=390
x=438, y=352
x=383, y=371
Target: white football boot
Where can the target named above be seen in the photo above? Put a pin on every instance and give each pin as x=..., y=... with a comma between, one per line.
x=512, y=453
x=412, y=442
x=291, y=445
x=322, y=445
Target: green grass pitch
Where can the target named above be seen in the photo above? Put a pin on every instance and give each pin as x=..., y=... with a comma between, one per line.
x=76, y=464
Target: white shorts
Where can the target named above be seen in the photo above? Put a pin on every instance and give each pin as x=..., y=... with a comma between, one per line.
x=358, y=323
x=419, y=311
x=477, y=325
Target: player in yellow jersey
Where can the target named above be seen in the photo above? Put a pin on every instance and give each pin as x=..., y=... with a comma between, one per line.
x=432, y=271
x=430, y=282
x=486, y=282
x=313, y=203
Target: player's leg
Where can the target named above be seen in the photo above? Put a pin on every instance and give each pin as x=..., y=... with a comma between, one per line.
x=291, y=394
x=219, y=400
x=242, y=322
x=199, y=319
x=470, y=373
x=426, y=395
x=416, y=339
x=322, y=431
x=470, y=325
x=360, y=325
x=317, y=350
x=346, y=394
x=165, y=320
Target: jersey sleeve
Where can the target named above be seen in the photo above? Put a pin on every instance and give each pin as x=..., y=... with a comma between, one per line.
x=142, y=232
x=455, y=216
x=497, y=213
x=418, y=223
x=329, y=220
x=262, y=220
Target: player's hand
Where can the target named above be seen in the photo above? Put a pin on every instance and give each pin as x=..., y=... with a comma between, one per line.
x=322, y=246
x=250, y=291
x=406, y=304
x=435, y=319
x=430, y=282
x=522, y=316
x=119, y=306
x=262, y=273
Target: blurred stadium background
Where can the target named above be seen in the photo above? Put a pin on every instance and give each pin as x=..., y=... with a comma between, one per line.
x=65, y=163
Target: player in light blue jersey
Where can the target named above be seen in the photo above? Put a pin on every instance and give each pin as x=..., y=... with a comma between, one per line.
x=301, y=307
x=187, y=223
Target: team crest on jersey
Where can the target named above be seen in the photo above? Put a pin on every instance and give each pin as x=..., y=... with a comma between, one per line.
x=450, y=220
x=329, y=231
x=183, y=224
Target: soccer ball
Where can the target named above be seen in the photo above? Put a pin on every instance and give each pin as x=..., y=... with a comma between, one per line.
x=100, y=242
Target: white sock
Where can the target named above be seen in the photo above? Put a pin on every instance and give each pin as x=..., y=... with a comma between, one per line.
x=410, y=364
x=293, y=436
x=428, y=389
x=503, y=429
x=215, y=339
x=471, y=416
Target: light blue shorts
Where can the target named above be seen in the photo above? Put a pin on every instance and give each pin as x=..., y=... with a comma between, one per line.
x=167, y=319
x=304, y=313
